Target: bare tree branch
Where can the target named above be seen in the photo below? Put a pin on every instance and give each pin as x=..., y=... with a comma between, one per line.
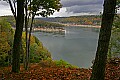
x=12, y=9
x=14, y=6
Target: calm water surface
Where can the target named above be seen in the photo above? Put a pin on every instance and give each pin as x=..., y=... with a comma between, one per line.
x=77, y=46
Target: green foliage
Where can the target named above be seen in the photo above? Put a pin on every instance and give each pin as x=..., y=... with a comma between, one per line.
x=41, y=23
x=6, y=40
x=34, y=58
x=47, y=63
x=37, y=41
x=56, y=63
x=43, y=53
x=62, y=63
x=7, y=29
x=118, y=4
x=9, y=19
x=37, y=51
x=114, y=46
x=44, y=7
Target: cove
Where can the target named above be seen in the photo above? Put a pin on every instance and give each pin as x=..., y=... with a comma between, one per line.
x=77, y=46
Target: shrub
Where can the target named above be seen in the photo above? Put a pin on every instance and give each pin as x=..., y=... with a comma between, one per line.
x=62, y=63
x=56, y=63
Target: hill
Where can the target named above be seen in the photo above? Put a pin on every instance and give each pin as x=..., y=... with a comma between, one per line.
x=37, y=50
x=37, y=22
x=94, y=20
x=79, y=20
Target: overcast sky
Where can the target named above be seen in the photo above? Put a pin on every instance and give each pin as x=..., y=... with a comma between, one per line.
x=70, y=8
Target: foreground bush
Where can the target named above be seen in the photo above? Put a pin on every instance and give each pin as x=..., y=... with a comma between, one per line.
x=56, y=63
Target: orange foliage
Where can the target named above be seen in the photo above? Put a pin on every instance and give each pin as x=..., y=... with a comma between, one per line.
x=36, y=72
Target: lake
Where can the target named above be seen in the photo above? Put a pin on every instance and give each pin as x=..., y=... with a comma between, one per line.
x=77, y=46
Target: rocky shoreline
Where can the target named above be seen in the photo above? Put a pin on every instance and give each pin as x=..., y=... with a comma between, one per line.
x=57, y=30
x=77, y=25
x=61, y=29
x=88, y=26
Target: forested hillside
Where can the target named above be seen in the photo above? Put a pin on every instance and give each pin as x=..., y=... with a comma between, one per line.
x=54, y=21
x=37, y=51
x=42, y=23
x=79, y=20
x=37, y=22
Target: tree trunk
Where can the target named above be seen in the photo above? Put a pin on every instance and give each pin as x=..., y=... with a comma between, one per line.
x=26, y=33
x=98, y=72
x=28, y=56
x=17, y=36
x=27, y=16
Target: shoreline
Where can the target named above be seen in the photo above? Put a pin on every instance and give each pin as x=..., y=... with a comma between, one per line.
x=89, y=26
x=50, y=30
x=62, y=29
x=80, y=25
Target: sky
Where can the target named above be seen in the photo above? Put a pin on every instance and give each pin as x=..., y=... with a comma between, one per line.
x=69, y=8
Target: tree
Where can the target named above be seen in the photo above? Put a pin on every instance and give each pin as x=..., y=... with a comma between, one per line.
x=47, y=7
x=98, y=71
x=38, y=7
x=17, y=36
x=6, y=37
x=114, y=45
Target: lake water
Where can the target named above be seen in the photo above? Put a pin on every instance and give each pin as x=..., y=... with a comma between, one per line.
x=77, y=46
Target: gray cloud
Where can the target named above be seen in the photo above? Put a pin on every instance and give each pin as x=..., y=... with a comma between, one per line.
x=4, y=8
x=83, y=6
x=85, y=9
x=4, y=3
x=70, y=7
x=69, y=3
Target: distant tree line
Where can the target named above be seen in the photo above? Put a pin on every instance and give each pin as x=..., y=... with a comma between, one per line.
x=78, y=20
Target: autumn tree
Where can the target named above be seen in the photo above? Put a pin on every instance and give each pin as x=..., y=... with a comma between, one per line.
x=6, y=38
x=42, y=8
x=35, y=7
x=17, y=36
x=98, y=72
